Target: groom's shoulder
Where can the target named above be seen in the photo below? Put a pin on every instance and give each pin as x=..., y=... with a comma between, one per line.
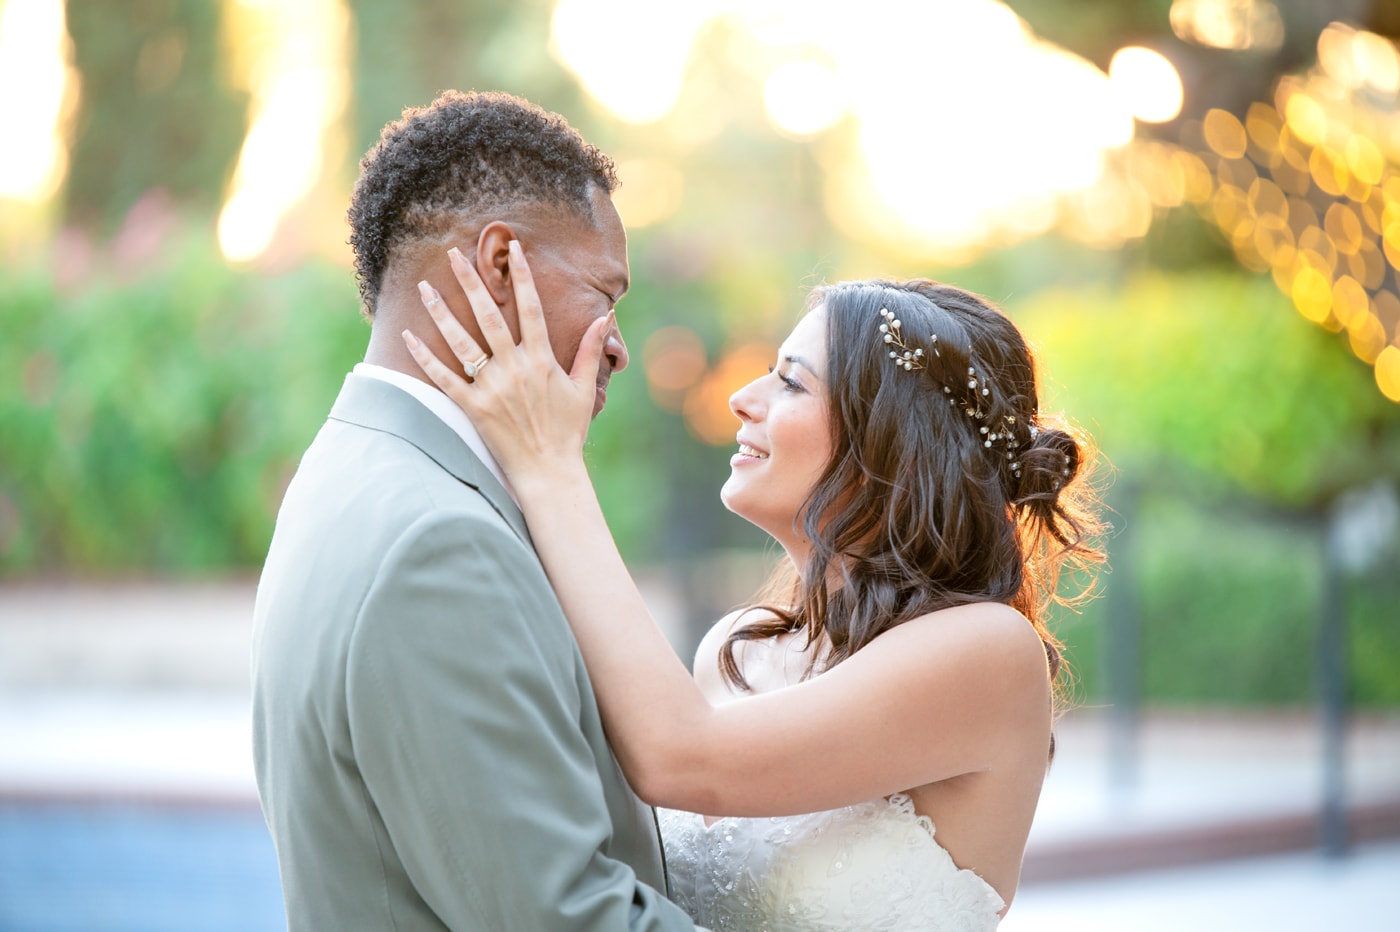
x=361, y=489
x=366, y=461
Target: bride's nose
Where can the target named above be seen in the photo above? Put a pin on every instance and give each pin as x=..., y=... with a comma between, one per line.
x=745, y=403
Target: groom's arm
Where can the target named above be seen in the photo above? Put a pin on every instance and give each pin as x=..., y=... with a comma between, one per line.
x=465, y=725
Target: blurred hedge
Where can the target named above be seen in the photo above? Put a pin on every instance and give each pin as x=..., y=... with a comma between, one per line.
x=1228, y=610
x=1233, y=426
x=152, y=413
x=154, y=406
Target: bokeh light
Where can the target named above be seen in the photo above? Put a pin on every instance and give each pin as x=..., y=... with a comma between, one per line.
x=1388, y=372
x=38, y=94
x=1357, y=60
x=706, y=405
x=1147, y=82
x=1228, y=24
x=291, y=58
x=674, y=359
x=1307, y=188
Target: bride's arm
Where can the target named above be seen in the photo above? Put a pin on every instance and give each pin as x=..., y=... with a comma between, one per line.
x=929, y=700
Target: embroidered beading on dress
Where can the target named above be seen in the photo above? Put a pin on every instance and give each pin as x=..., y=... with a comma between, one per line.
x=874, y=866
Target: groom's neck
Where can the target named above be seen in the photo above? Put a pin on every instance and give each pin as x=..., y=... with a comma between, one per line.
x=386, y=347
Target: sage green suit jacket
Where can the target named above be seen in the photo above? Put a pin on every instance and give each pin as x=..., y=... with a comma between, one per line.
x=428, y=749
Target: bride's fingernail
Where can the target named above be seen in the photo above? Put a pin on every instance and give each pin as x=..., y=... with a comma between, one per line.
x=514, y=247
x=454, y=255
x=428, y=293
x=411, y=340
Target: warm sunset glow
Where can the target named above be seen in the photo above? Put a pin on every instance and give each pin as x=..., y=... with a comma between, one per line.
x=38, y=90
x=803, y=98
x=1148, y=84
x=945, y=155
x=650, y=192
x=972, y=164
x=638, y=76
x=290, y=56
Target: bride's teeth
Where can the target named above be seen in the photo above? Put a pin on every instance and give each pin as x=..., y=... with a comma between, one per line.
x=747, y=450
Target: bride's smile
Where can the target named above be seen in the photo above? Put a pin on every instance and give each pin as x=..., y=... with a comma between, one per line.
x=784, y=436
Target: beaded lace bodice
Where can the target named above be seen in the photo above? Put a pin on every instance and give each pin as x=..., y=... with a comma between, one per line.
x=875, y=865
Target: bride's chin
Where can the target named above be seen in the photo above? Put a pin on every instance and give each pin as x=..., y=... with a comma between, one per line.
x=732, y=496
x=738, y=504
x=728, y=496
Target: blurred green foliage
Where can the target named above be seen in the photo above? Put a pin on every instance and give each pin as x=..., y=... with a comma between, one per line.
x=152, y=410
x=152, y=413
x=152, y=416
x=1232, y=426
x=1228, y=607
x=1214, y=371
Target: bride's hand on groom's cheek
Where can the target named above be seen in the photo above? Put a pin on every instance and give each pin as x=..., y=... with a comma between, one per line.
x=528, y=410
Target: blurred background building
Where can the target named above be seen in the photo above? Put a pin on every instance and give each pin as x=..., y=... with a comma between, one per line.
x=1191, y=206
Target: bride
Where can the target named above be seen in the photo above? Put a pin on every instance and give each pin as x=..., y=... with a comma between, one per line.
x=865, y=748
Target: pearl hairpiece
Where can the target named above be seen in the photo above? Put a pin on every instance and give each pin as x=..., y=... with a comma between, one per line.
x=904, y=357
x=911, y=359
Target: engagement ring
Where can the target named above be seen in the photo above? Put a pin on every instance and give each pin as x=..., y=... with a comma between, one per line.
x=472, y=368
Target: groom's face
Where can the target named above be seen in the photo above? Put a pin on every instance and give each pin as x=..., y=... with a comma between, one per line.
x=580, y=269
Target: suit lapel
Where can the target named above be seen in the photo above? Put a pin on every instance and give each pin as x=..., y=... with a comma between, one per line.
x=377, y=405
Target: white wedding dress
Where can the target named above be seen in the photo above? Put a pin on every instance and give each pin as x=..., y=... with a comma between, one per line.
x=871, y=866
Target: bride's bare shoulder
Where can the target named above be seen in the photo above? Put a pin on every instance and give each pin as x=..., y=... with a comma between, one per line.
x=706, y=668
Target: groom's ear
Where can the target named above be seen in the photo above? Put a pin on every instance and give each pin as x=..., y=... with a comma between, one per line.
x=493, y=263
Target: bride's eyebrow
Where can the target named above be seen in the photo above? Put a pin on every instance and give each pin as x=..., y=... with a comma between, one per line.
x=799, y=361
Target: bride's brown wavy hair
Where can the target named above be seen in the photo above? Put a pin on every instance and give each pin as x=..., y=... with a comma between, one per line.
x=946, y=485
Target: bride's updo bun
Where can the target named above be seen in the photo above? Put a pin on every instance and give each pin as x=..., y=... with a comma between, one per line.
x=1050, y=463
x=946, y=484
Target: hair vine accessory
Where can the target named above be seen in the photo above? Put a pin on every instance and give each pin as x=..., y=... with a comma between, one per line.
x=980, y=388
x=904, y=357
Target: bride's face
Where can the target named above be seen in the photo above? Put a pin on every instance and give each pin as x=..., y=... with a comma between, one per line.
x=784, y=435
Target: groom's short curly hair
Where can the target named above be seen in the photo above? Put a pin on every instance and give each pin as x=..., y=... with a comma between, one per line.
x=461, y=158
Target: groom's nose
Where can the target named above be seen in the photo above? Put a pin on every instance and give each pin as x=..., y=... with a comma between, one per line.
x=615, y=349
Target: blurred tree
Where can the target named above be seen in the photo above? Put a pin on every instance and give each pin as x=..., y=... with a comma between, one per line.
x=1216, y=372
x=154, y=111
x=407, y=53
x=151, y=420
x=1213, y=77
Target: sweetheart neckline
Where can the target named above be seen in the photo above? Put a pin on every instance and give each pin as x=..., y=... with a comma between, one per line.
x=731, y=841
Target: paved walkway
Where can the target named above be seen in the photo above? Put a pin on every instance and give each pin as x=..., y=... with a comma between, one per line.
x=1300, y=892
x=141, y=693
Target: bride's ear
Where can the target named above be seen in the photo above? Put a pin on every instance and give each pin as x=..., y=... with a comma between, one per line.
x=493, y=263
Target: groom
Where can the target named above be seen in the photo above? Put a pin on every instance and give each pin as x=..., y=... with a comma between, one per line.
x=428, y=750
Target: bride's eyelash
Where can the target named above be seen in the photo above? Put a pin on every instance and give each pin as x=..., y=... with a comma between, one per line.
x=791, y=384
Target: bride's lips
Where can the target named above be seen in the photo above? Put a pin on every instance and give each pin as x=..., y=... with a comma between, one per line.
x=748, y=454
